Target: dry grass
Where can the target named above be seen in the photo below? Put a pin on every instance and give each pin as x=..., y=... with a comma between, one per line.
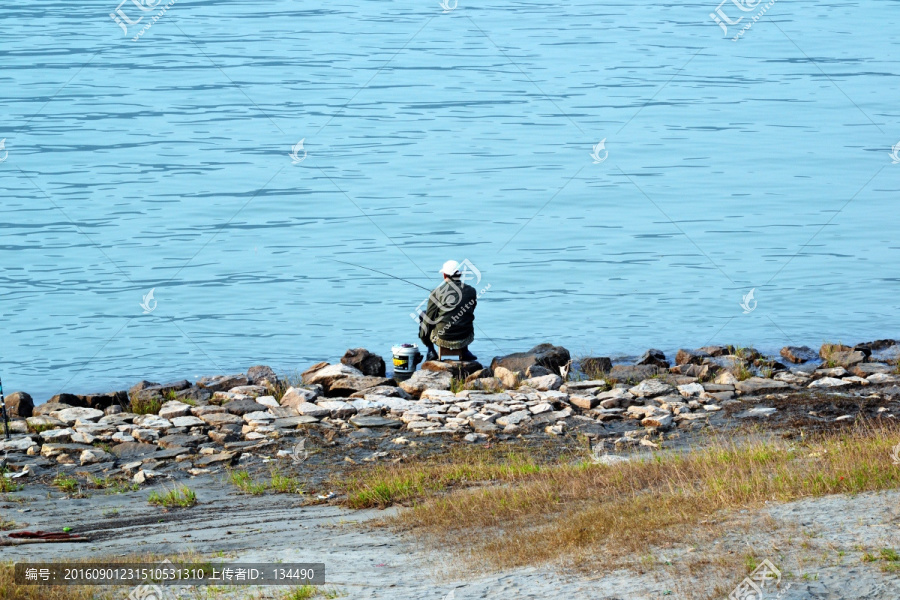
x=573, y=511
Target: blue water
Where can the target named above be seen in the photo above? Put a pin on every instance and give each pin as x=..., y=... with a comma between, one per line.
x=164, y=164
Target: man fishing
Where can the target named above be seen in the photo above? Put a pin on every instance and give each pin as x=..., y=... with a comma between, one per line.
x=449, y=319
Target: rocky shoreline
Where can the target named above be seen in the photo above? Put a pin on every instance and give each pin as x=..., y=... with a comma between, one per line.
x=181, y=429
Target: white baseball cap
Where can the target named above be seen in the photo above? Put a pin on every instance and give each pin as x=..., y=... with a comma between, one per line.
x=451, y=267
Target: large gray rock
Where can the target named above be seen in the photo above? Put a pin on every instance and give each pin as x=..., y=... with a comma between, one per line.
x=545, y=355
x=651, y=388
x=222, y=383
x=544, y=383
x=366, y=362
x=847, y=358
x=654, y=358
x=294, y=396
x=312, y=410
x=459, y=369
x=128, y=450
x=423, y=380
x=632, y=374
x=866, y=369
x=798, y=354
x=219, y=419
x=19, y=404
x=70, y=415
x=344, y=386
x=98, y=401
x=695, y=357
x=327, y=375
x=761, y=385
x=242, y=407
x=596, y=365
x=173, y=409
x=48, y=407
x=374, y=421
x=262, y=375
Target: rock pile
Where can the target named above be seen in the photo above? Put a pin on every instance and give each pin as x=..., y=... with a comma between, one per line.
x=194, y=427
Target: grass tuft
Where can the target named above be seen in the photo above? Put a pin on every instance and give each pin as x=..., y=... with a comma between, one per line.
x=145, y=404
x=181, y=496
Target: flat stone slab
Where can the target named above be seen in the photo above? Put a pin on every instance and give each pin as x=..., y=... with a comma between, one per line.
x=293, y=422
x=374, y=421
x=127, y=450
x=214, y=459
x=178, y=440
x=218, y=419
x=171, y=453
x=761, y=385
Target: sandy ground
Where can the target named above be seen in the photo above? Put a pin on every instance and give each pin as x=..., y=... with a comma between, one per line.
x=805, y=539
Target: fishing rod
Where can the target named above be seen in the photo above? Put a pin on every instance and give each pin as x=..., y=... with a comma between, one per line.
x=380, y=272
x=3, y=410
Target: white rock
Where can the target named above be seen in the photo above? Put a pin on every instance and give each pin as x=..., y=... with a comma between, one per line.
x=294, y=396
x=514, y=418
x=658, y=421
x=650, y=388
x=475, y=437
x=690, y=390
x=337, y=408
x=173, y=409
x=70, y=415
x=121, y=437
x=312, y=410
x=258, y=415
x=269, y=401
x=82, y=438
x=828, y=382
x=444, y=396
x=144, y=475
x=544, y=382
x=57, y=436
x=558, y=429
x=152, y=422
x=17, y=444
x=145, y=435
x=188, y=421
x=726, y=378
x=90, y=457
x=538, y=409
x=883, y=378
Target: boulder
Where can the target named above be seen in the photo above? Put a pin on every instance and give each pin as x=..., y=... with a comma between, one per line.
x=545, y=355
x=508, y=379
x=866, y=369
x=544, y=383
x=68, y=399
x=798, y=354
x=690, y=390
x=847, y=358
x=338, y=409
x=826, y=350
x=658, y=420
x=632, y=374
x=650, y=388
x=221, y=383
x=180, y=440
x=294, y=396
x=382, y=390
x=129, y=450
x=194, y=393
x=70, y=415
x=141, y=386
x=423, y=380
x=654, y=358
x=485, y=383
x=241, y=407
x=21, y=444
x=716, y=350
x=262, y=375
x=173, y=409
x=761, y=385
x=19, y=404
x=152, y=422
x=690, y=357
x=188, y=421
x=312, y=410
x=479, y=374
x=327, y=375
x=344, y=386
x=458, y=369
x=254, y=391
x=514, y=418
x=595, y=365
x=366, y=362
x=48, y=407
x=219, y=419
x=537, y=371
